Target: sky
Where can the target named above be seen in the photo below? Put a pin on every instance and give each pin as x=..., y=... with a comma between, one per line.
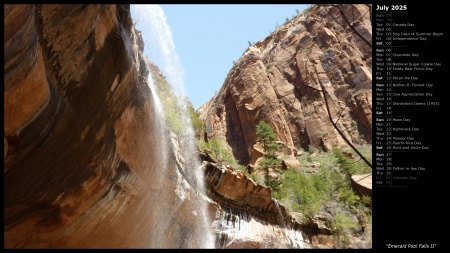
x=207, y=38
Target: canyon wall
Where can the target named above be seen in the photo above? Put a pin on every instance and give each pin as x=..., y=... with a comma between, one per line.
x=81, y=148
x=83, y=163
x=284, y=78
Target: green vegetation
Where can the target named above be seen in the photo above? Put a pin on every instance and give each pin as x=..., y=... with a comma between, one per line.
x=172, y=104
x=258, y=179
x=265, y=133
x=219, y=151
x=356, y=93
x=199, y=127
x=341, y=228
x=300, y=191
x=270, y=162
x=170, y=101
x=348, y=165
x=323, y=184
x=265, y=164
x=306, y=192
x=271, y=148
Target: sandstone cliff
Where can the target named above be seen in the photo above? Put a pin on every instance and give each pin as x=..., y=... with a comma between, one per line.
x=280, y=80
x=87, y=163
x=83, y=164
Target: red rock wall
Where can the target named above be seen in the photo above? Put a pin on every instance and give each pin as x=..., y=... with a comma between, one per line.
x=280, y=79
x=80, y=144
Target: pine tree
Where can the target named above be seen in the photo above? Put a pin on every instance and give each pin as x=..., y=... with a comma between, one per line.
x=265, y=133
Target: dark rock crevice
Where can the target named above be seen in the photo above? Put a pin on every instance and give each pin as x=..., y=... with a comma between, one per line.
x=235, y=135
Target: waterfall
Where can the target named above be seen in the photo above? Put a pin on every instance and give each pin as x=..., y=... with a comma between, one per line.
x=157, y=37
x=279, y=212
x=243, y=230
x=238, y=229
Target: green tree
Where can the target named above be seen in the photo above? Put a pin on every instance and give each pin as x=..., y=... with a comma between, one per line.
x=271, y=148
x=265, y=133
x=351, y=166
x=346, y=164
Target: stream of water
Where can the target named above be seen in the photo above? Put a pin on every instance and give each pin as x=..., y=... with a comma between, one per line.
x=229, y=230
x=157, y=37
x=242, y=230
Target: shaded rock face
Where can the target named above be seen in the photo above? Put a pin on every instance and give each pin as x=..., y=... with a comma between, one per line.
x=280, y=80
x=81, y=148
x=243, y=230
x=235, y=187
x=83, y=164
x=244, y=213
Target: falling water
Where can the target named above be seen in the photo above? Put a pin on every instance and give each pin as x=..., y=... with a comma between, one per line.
x=232, y=230
x=157, y=101
x=282, y=222
x=279, y=212
x=242, y=230
x=157, y=37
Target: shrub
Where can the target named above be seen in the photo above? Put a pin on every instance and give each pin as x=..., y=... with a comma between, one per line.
x=348, y=197
x=274, y=184
x=219, y=150
x=256, y=179
x=351, y=166
x=307, y=192
x=341, y=228
x=173, y=114
x=199, y=127
x=271, y=148
x=356, y=93
x=328, y=190
x=240, y=167
x=301, y=192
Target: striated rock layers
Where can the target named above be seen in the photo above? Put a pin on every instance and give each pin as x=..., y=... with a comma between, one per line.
x=245, y=214
x=282, y=80
x=87, y=162
x=83, y=165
